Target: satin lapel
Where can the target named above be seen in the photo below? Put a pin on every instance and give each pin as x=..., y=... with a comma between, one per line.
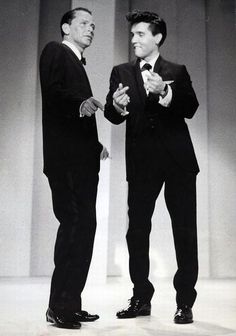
x=163, y=70
x=139, y=82
x=157, y=66
x=79, y=64
x=77, y=61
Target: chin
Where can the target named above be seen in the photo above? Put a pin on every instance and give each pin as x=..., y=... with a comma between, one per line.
x=86, y=45
x=138, y=53
x=87, y=42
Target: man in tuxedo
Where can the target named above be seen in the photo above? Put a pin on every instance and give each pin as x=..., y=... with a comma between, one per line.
x=72, y=155
x=154, y=96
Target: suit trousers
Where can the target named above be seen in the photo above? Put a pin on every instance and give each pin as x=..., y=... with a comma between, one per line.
x=74, y=204
x=180, y=198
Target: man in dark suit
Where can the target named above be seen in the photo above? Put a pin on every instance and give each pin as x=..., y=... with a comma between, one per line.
x=72, y=155
x=154, y=96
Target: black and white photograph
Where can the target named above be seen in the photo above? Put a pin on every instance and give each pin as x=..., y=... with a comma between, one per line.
x=118, y=168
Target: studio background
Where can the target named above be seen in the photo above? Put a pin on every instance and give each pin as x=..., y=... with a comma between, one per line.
x=201, y=35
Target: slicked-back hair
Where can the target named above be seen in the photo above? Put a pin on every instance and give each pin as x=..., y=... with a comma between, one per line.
x=70, y=15
x=157, y=24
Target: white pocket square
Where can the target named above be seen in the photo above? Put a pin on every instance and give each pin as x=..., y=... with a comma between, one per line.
x=168, y=81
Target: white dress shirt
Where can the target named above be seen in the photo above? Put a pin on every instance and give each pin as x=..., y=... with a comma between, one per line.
x=73, y=48
x=145, y=74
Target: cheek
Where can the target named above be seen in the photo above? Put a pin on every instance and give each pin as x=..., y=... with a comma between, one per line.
x=149, y=45
x=144, y=48
x=77, y=32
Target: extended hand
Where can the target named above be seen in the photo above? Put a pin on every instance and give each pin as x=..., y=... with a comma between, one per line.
x=120, y=96
x=154, y=83
x=90, y=106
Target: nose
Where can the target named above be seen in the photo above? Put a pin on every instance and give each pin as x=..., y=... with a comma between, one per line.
x=91, y=29
x=133, y=39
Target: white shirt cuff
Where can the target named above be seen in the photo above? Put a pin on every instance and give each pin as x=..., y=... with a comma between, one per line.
x=122, y=112
x=167, y=99
x=80, y=109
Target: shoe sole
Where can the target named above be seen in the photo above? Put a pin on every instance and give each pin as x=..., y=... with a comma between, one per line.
x=148, y=313
x=183, y=322
x=62, y=326
x=141, y=313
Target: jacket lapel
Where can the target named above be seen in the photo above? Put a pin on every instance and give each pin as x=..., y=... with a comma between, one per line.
x=79, y=64
x=76, y=59
x=157, y=66
x=163, y=70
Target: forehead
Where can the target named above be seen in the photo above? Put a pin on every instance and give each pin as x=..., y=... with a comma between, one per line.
x=82, y=15
x=140, y=27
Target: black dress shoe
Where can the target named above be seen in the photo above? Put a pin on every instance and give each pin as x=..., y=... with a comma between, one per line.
x=84, y=316
x=63, y=319
x=136, y=308
x=183, y=315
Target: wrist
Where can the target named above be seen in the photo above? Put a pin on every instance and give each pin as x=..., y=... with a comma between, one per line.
x=164, y=92
x=81, y=115
x=121, y=110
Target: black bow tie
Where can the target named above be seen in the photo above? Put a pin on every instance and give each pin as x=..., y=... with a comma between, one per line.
x=83, y=60
x=146, y=66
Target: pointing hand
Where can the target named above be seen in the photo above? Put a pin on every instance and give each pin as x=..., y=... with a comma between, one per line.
x=90, y=106
x=120, y=96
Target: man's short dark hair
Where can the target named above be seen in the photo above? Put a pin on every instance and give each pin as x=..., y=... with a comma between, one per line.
x=157, y=24
x=70, y=15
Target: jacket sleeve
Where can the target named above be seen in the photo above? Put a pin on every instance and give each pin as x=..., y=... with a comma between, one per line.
x=184, y=102
x=110, y=112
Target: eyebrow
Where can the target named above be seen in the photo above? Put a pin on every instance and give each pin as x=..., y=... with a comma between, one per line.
x=87, y=21
x=137, y=32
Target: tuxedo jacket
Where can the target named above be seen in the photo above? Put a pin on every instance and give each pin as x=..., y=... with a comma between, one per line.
x=148, y=122
x=68, y=140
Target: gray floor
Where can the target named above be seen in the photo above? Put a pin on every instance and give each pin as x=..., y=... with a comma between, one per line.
x=23, y=303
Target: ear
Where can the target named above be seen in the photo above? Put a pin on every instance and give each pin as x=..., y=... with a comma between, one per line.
x=158, y=38
x=66, y=28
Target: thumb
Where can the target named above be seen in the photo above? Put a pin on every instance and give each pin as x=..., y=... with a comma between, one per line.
x=120, y=87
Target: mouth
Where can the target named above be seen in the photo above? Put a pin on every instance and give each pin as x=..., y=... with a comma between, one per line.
x=137, y=50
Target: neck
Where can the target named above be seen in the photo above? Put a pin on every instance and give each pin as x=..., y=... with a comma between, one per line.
x=150, y=57
x=76, y=45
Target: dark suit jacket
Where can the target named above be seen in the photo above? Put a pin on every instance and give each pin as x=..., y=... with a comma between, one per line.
x=149, y=120
x=68, y=140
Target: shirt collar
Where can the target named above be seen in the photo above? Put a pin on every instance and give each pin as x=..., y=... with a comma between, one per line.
x=151, y=62
x=73, y=48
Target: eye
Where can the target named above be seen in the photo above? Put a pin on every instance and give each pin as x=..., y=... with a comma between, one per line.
x=83, y=23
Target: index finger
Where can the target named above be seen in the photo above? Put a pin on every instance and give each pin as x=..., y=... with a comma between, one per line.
x=98, y=104
x=122, y=91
